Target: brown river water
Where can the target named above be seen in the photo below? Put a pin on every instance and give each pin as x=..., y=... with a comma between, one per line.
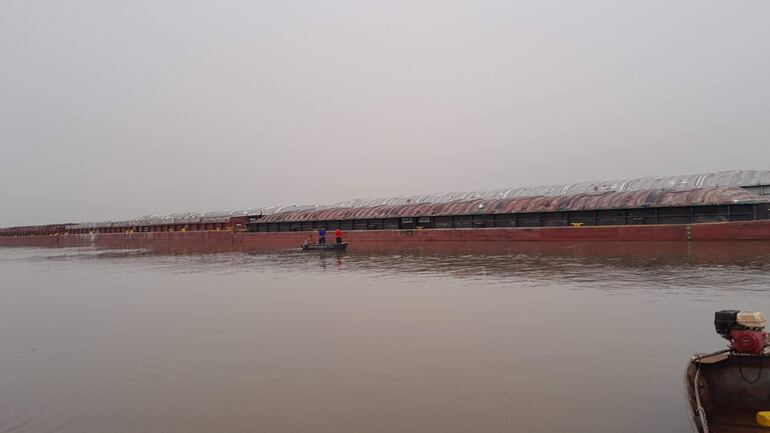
x=438, y=338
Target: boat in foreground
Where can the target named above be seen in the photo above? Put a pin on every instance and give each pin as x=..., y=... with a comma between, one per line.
x=729, y=391
x=322, y=247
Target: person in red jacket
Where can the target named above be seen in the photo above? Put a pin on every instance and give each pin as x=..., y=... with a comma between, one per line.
x=338, y=235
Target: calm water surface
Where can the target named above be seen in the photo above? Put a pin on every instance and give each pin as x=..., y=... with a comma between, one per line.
x=463, y=338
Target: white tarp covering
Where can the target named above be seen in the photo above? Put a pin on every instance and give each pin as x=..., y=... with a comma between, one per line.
x=723, y=178
x=741, y=178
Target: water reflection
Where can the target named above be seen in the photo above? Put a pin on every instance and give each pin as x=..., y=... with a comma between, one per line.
x=594, y=265
x=611, y=265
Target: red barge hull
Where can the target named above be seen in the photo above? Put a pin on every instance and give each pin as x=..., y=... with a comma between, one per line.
x=222, y=241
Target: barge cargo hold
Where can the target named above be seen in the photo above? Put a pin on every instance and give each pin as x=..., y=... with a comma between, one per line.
x=625, y=213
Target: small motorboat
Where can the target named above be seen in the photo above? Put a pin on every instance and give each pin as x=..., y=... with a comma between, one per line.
x=323, y=247
x=729, y=391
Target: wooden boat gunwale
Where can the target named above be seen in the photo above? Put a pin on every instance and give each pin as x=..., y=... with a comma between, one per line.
x=701, y=401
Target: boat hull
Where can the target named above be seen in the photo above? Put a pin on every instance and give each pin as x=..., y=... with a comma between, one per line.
x=219, y=241
x=325, y=247
x=724, y=392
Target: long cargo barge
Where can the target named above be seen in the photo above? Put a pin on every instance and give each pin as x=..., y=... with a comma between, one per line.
x=179, y=242
x=658, y=214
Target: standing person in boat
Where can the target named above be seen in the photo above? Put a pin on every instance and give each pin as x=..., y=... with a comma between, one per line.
x=322, y=235
x=338, y=235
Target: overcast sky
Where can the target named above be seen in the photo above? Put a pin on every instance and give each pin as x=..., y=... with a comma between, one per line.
x=116, y=109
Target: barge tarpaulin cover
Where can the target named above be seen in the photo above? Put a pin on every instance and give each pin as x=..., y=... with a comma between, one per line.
x=756, y=181
x=653, y=198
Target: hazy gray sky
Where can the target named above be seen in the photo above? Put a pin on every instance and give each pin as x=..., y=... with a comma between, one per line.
x=116, y=109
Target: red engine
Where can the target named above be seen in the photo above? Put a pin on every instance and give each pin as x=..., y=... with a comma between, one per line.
x=744, y=329
x=748, y=341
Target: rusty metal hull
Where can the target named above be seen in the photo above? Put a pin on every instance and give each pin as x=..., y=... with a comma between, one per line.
x=724, y=391
x=220, y=241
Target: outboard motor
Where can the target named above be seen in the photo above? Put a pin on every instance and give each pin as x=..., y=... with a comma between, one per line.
x=744, y=329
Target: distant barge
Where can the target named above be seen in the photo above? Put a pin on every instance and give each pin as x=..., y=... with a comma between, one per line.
x=693, y=214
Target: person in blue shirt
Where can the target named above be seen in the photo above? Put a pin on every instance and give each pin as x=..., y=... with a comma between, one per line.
x=322, y=235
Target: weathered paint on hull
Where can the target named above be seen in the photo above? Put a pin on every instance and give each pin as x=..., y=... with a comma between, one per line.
x=221, y=241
